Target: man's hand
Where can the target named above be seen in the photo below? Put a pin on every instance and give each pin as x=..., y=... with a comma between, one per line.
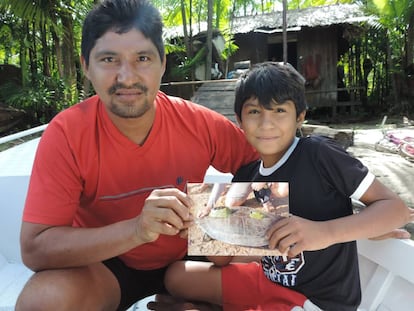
x=166, y=211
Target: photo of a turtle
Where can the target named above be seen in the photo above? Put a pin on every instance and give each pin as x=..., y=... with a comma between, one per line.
x=242, y=225
x=225, y=229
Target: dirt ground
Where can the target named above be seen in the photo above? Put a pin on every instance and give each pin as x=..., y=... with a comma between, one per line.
x=393, y=170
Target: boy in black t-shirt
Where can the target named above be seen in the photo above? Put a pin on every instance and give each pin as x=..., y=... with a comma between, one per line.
x=321, y=269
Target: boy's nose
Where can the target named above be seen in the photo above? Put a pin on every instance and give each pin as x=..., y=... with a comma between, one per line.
x=266, y=121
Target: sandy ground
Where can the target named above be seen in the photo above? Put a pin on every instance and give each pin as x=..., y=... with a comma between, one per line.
x=391, y=169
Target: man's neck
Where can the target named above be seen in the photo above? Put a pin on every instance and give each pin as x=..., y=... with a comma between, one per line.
x=136, y=129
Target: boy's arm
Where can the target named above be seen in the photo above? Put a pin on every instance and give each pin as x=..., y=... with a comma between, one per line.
x=385, y=211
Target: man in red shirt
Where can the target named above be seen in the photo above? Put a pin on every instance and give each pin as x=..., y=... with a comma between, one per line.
x=106, y=210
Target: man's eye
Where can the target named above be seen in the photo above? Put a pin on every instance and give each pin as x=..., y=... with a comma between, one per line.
x=279, y=110
x=108, y=59
x=143, y=58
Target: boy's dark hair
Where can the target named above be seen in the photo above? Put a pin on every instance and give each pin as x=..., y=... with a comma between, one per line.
x=121, y=16
x=271, y=82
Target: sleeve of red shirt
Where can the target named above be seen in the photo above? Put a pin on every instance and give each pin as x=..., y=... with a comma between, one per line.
x=55, y=178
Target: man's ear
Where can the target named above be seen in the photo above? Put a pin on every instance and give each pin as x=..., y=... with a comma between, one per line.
x=84, y=67
x=164, y=64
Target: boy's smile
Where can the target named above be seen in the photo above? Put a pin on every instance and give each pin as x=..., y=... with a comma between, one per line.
x=270, y=131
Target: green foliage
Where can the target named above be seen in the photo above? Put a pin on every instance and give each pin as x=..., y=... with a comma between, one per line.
x=41, y=101
x=229, y=50
x=183, y=70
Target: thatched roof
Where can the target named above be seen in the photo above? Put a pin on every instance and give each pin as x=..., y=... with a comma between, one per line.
x=309, y=17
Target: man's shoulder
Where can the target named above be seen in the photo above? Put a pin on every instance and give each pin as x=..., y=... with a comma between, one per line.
x=77, y=119
x=85, y=108
x=183, y=105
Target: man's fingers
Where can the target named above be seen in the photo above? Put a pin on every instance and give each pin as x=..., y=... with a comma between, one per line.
x=172, y=199
x=166, y=211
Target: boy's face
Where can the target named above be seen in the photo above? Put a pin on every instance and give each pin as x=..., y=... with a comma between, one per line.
x=272, y=131
x=125, y=70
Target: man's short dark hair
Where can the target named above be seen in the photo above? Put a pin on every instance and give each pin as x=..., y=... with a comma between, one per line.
x=121, y=16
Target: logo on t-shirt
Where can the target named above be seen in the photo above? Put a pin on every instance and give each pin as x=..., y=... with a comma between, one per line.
x=281, y=269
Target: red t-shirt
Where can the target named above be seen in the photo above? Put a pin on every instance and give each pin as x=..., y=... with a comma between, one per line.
x=88, y=174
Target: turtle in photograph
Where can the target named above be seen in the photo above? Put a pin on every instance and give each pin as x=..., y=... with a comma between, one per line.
x=241, y=225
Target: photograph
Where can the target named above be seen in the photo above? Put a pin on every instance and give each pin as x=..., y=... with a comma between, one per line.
x=232, y=219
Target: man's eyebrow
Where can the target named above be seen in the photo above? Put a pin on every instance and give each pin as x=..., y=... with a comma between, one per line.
x=147, y=52
x=105, y=53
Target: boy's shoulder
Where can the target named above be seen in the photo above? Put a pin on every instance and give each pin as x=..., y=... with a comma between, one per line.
x=320, y=143
x=247, y=172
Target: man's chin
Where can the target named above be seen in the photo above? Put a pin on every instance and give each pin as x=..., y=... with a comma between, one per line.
x=131, y=113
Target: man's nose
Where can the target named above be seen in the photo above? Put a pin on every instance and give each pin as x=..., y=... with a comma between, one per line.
x=128, y=73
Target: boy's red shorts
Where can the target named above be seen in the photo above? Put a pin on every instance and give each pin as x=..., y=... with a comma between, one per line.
x=245, y=287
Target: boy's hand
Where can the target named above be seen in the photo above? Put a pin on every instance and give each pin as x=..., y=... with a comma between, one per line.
x=294, y=234
x=396, y=233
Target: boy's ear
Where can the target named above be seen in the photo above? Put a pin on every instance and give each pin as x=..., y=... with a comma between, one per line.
x=300, y=119
x=239, y=122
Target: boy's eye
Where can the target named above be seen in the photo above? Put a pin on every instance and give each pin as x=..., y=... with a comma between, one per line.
x=278, y=109
x=253, y=111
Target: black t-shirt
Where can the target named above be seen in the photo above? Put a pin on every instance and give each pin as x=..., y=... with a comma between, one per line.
x=322, y=176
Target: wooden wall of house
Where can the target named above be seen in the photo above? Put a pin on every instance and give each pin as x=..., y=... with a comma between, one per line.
x=252, y=46
x=317, y=61
x=316, y=53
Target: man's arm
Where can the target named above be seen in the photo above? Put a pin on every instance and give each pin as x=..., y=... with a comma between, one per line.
x=166, y=211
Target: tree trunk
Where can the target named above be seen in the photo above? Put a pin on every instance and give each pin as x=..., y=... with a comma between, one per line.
x=23, y=56
x=285, y=45
x=410, y=39
x=187, y=38
x=32, y=53
x=45, y=51
x=393, y=75
x=68, y=48
x=209, y=40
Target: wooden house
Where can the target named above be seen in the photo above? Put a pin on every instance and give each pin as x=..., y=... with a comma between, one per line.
x=316, y=39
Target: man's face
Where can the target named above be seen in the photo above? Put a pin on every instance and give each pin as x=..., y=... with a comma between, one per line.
x=125, y=70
